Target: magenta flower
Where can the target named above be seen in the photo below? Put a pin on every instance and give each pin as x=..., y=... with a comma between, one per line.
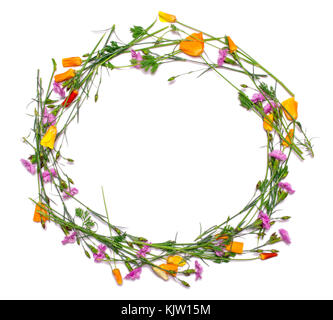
x=286, y=187
x=221, y=57
x=100, y=255
x=69, y=239
x=269, y=107
x=220, y=251
x=70, y=193
x=285, y=236
x=257, y=97
x=48, y=175
x=279, y=155
x=143, y=251
x=136, y=56
x=198, y=270
x=49, y=118
x=265, y=220
x=134, y=274
x=57, y=88
x=29, y=166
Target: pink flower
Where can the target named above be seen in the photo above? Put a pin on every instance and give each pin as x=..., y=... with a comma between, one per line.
x=136, y=56
x=198, y=270
x=220, y=251
x=279, y=155
x=48, y=175
x=70, y=193
x=287, y=187
x=143, y=251
x=265, y=220
x=69, y=239
x=49, y=118
x=222, y=56
x=134, y=274
x=57, y=88
x=102, y=248
x=285, y=236
x=257, y=97
x=29, y=166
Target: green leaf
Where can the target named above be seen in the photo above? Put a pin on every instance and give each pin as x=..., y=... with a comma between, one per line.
x=245, y=100
x=137, y=31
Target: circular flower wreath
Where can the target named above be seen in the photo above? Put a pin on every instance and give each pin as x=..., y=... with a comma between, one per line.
x=55, y=110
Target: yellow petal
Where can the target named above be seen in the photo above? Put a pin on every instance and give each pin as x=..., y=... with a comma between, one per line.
x=179, y=261
x=49, y=137
x=289, y=138
x=162, y=274
x=166, y=17
x=235, y=247
x=291, y=106
x=268, y=122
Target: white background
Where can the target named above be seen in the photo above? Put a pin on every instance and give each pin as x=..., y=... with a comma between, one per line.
x=169, y=156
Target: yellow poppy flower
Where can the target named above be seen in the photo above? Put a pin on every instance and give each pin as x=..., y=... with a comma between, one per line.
x=268, y=122
x=291, y=106
x=49, y=137
x=177, y=260
x=166, y=17
x=289, y=138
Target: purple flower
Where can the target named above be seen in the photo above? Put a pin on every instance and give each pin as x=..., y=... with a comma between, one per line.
x=222, y=56
x=49, y=118
x=257, y=97
x=219, y=252
x=134, y=274
x=265, y=220
x=136, y=56
x=285, y=236
x=198, y=270
x=57, y=88
x=69, y=239
x=48, y=175
x=143, y=251
x=70, y=193
x=279, y=155
x=29, y=166
x=287, y=187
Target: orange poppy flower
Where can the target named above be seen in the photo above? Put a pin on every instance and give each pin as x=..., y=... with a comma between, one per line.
x=68, y=101
x=64, y=76
x=232, y=46
x=71, y=62
x=177, y=260
x=170, y=267
x=235, y=247
x=265, y=256
x=117, y=276
x=193, y=45
x=166, y=17
x=291, y=106
x=289, y=138
x=268, y=122
x=40, y=213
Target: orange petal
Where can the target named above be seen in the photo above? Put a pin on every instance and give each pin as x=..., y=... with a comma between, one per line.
x=71, y=62
x=193, y=45
x=117, y=276
x=235, y=247
x=232, y=46
x=265, y=256
x=289, y=138
x=40, y=213
x=64, y=76
x=291, y=106
x=170, y=267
